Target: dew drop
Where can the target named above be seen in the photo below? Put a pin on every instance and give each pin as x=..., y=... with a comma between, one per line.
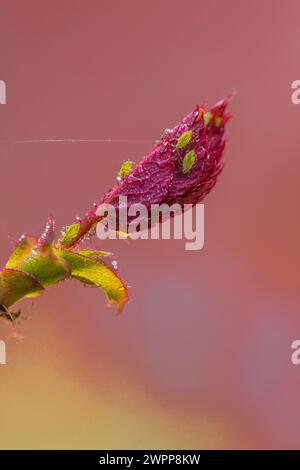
x=115, y=264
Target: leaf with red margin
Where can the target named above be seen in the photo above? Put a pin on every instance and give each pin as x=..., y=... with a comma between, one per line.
x=36, y=257
x=15, y=284
x=91, y=271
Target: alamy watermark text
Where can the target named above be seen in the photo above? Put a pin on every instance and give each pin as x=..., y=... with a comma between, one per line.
x=138, y=221
x=2, y=92
x=2, y=352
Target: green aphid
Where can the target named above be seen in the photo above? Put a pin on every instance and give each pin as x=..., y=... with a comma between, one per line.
x=207, y=118
x=184, y=139
x=125, y=169
x=218, y=121
x=189, y=161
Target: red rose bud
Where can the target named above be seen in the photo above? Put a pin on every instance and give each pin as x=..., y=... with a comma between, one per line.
x=182, y=167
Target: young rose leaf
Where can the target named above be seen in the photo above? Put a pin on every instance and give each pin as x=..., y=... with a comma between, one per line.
x=45, y=242
x=93, y=272
x=94, y=254
x=15, y=284
x=48, y=269
x=36, y=257
x=23, y=248
x=69, y=235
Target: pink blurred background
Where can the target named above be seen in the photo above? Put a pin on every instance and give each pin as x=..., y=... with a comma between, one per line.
x=200, y=358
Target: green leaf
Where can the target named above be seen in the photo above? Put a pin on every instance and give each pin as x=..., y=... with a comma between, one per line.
x=47, y=268
x=15, y=284
x=93, y=272
x=94, y=254
x=22, y=250
x=69, y=235
x=37, y=258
